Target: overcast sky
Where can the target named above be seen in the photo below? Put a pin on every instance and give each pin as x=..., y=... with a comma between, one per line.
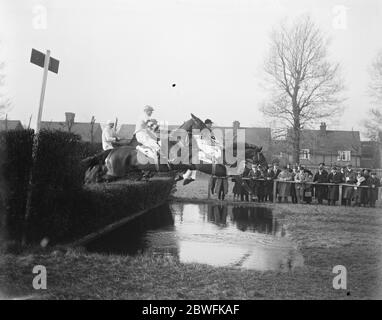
x=117, y=56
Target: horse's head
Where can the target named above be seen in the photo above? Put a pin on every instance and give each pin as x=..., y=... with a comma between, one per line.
x=197, y=123
x=261, y=158
x=193, y=123
x=257, y=156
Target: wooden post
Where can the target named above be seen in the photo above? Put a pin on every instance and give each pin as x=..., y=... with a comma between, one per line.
x=34, y=149
x=43, y=87
x=274, y=190
x=340, y=194
x=29, y=124
x=209, y=188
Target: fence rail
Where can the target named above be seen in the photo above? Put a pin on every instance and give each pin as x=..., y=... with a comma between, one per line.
x=275, y=181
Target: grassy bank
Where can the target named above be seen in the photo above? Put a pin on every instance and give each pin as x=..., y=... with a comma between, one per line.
x=326, y=236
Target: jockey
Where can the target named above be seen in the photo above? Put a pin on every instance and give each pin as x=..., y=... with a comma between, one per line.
x=208, y=146
x=145, y=130
x=109, y=136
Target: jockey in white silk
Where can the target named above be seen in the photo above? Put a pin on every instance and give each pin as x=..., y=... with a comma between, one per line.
x=145, y=130
x=209, y=148
x=109, y=136
x=210, y=151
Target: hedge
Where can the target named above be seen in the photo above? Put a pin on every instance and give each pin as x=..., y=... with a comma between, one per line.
x=61, y=209
x=15, y=165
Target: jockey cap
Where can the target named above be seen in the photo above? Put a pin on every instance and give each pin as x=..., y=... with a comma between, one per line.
x=148, y=108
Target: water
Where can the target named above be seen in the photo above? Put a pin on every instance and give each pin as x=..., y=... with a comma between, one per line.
x=219, y=235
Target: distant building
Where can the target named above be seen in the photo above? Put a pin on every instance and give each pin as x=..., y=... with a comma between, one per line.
x=10, y=125
x=371, y=154
x=333, y=147
x=88, y=131
x=126, y=131
x=260, y=137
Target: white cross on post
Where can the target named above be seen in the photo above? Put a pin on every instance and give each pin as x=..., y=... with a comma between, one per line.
x=49, y=64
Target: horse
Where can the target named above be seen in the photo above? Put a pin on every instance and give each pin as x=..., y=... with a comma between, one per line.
x=123, y=160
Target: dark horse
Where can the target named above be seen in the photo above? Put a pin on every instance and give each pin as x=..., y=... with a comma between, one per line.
x=122, y=160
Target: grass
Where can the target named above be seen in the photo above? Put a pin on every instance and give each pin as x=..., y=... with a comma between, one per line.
x=326, y=236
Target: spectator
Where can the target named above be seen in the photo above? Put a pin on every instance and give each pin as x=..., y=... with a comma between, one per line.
x=241, y=187
x=361, y=181
x=321, y=176
x=284, y=185
x=350, y=177
x=270, y=176
x=373, y=183
x=293, y=185
x=300, y=179
x=221, y=187
x=308, y=194
x=335, y=177
x=365, y=191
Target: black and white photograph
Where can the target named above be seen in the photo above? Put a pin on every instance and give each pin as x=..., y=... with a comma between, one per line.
x=190, y=154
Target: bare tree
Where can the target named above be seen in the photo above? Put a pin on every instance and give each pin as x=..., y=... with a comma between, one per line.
x=305, y=87
x=5, y=102
x=376, y=79
x=373, y=123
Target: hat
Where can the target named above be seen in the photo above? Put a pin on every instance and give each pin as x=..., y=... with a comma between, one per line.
x=110, y=122
x=349, y=165
x=322, y=163
x=148, y=108
x=207, y=121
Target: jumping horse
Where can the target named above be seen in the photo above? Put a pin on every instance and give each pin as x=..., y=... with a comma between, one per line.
x=119, y=162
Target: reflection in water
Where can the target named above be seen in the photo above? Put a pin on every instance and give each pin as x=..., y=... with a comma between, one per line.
x=220, y=235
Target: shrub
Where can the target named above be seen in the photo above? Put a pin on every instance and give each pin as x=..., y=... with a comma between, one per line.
x=61, y=209
x=16, y=161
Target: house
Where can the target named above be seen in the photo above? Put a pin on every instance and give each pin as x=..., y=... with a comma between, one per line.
x=10, y=125
x=260, y=137
x=88, y=131
x=333, y=147
x=126, y=131
x=371, y=154
x=253, y=135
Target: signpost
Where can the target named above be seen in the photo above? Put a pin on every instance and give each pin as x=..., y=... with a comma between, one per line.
x=49, y=64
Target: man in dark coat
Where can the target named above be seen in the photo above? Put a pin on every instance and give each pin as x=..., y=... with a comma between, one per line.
x=335, y=177
x=269, y=177
x=374, y=183
x=276, y=170
x=350, y=177
x=365, y=191
x=321, y=176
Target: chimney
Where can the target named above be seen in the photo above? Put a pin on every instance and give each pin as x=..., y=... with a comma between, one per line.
x=69, y=119
x=323, y=128
x=236, y=125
